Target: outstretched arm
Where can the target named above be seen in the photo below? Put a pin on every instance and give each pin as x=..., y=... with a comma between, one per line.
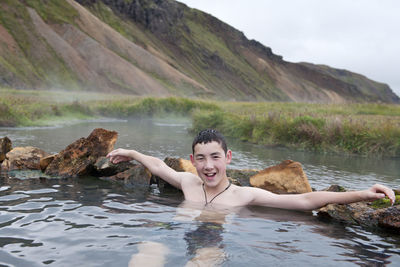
x=314, y=200
x=154, y=165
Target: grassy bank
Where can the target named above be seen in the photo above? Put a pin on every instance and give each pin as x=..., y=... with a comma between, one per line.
x=352, y=128
x=367, y=129
x=33, y=108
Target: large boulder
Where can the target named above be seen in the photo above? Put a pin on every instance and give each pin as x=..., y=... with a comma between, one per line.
x=287, y=177
x=5, y=147
x=22, y=158
x=78, y=158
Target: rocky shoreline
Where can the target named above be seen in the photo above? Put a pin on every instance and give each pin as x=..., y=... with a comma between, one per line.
x=86, y=156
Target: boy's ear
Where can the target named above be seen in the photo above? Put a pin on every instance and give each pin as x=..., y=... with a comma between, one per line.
x=192, y=158
x=228, y=156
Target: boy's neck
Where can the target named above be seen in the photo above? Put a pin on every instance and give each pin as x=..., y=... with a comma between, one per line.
x=216, y=189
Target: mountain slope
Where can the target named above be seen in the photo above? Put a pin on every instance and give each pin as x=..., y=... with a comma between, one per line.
x=158, y=47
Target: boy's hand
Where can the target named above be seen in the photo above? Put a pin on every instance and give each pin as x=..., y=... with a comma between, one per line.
x=380, y=191
x=119, y=155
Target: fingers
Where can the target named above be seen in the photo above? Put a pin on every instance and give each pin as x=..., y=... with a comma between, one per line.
x=113, y=153
x=114, y=156
x=115, y=160
x=384, y=191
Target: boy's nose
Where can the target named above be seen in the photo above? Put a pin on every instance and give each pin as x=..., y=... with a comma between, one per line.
x=208, y=164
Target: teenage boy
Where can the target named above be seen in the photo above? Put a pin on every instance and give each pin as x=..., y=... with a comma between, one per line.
x=210, y=158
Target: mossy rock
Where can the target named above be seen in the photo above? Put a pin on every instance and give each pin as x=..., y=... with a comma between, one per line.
x=385, y=202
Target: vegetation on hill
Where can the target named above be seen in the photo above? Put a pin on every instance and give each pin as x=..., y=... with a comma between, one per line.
x=158, y=48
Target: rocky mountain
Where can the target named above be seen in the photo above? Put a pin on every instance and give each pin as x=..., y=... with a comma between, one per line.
x=157, y=47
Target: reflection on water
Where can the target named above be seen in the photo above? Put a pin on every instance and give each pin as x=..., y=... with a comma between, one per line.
x=64, y=222
x=67, y=222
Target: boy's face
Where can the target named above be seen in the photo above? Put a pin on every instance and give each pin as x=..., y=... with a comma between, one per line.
x=210, y=162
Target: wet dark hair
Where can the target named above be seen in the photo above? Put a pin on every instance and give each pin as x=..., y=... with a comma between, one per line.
x=208, y=136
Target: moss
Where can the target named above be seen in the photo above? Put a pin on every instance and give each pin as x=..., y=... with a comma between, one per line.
x=385, y=202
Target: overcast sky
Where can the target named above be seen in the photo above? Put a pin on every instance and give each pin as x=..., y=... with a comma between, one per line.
x=362, y=36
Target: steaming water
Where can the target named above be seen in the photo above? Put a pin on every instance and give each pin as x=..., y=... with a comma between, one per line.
x=90, y=222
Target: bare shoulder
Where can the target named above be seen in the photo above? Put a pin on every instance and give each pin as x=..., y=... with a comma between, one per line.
x=190, y=179
x=191, y=187
x=253, y=195
x=243, y=195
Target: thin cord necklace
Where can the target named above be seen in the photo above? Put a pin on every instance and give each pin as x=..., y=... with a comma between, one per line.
x=205, y=194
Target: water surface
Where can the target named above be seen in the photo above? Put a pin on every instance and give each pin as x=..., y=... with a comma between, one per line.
x=86, y=221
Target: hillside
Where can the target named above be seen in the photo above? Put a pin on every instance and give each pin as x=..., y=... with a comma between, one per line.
x=160, y=48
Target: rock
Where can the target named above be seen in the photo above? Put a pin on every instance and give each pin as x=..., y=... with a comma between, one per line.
x=241, y=177
x=22, y=158
x=103, y=167
x=379, y=213
x=342, y=213
x=78, y=158
x=287, y=177
x=361, y=213
x=136, y=176
x=180, y=165
x=390, y=219
x=5, y=147
x=45, y=161
x=335, y=188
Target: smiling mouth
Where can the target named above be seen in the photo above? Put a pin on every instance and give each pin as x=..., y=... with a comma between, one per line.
x=210, y=176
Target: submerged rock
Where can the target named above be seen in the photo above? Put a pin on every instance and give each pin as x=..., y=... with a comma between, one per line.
x=286, y=177
x=5, y=147
x=241, y=177
x=23, y=158
x=361, y=213
x=389, y=218
x=104, y=167
x=379, y=213
x=78, y=158
x=136, y=176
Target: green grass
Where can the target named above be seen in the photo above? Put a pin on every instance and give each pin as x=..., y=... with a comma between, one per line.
x=339, y=128
x=334, y=127
x=54, y=11
x=32, y=107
